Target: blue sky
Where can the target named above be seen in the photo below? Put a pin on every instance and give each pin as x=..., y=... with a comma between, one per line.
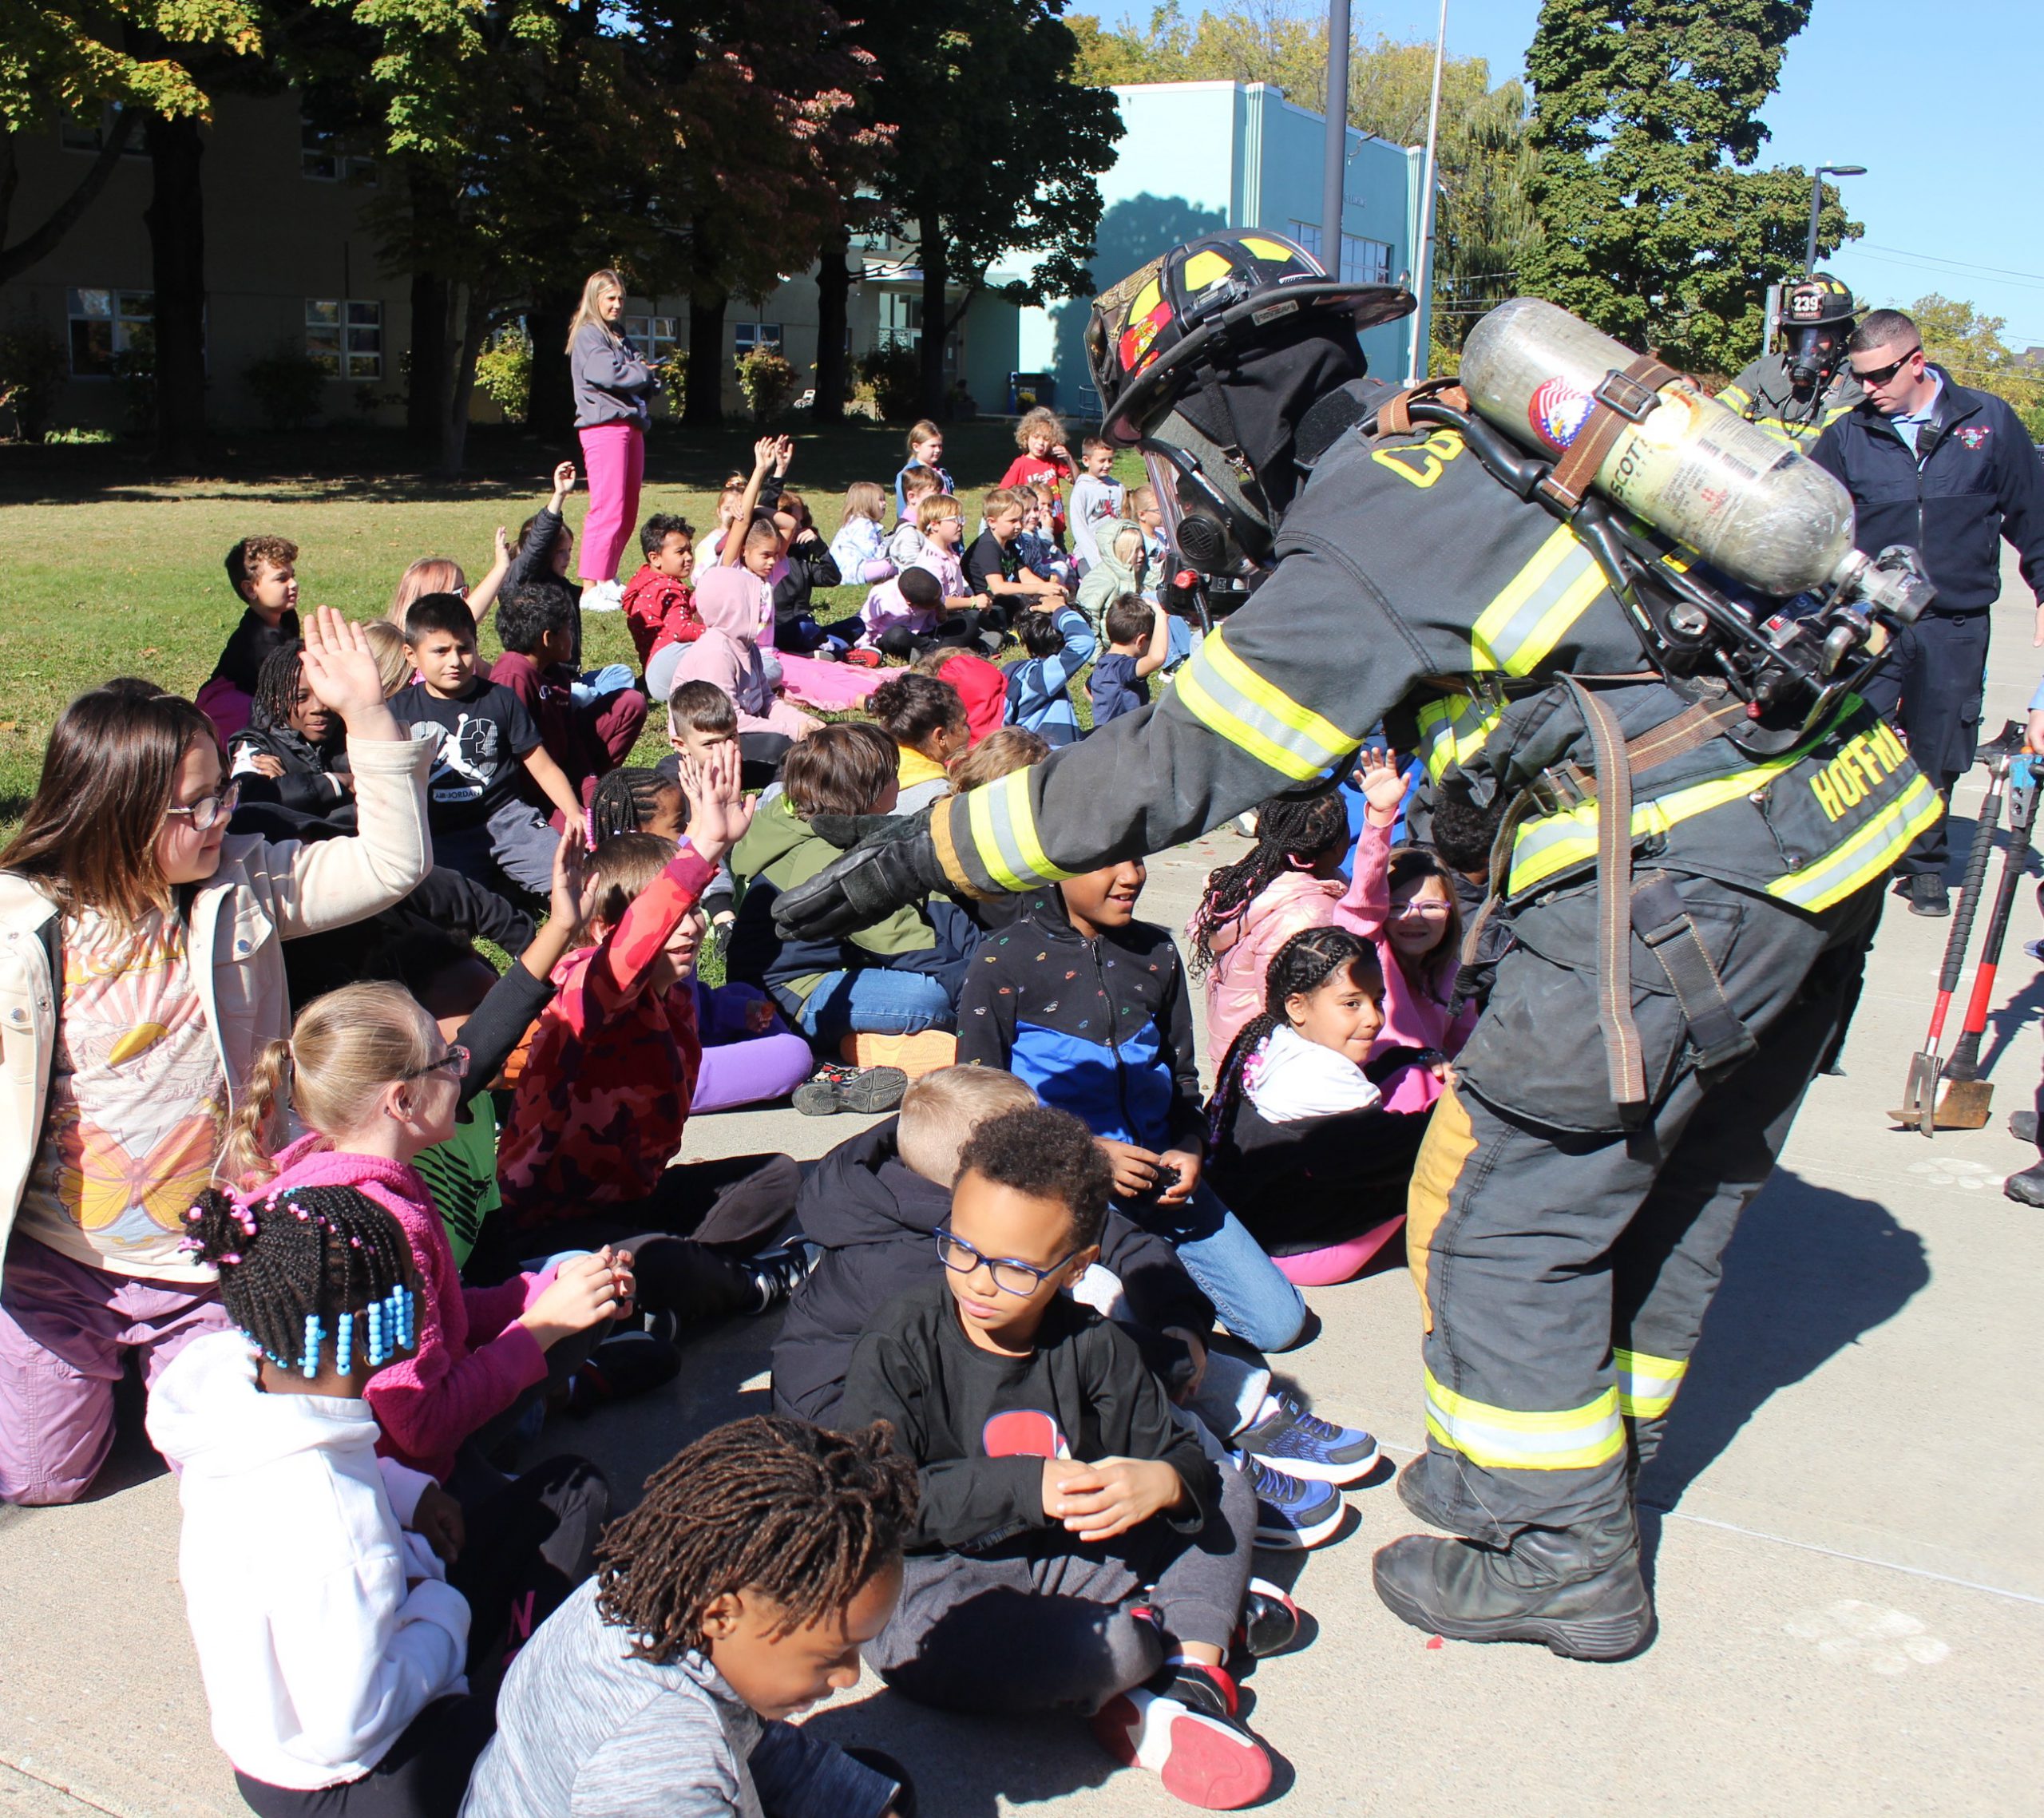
x=1938, y=101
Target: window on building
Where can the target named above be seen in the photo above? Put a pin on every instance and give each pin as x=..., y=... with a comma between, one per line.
x=346, y=338
x=1306, y=234
x=747, y=335
x=1364, y=261
x=104, y=325
x=89, y=136
x=323, y=159
x=653, y=335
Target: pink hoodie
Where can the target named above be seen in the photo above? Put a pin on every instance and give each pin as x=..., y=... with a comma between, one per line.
x=731, y=602
x=1413, y=1017
x=472, y=1359
x=1289, y=904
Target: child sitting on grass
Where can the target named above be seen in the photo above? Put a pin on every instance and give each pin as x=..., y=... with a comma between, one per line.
x=926, y=451
x=860, y=547
x=900, y=616
x=483, y=825
x=1042, y=524
x=610, y=1080
x=1122, y=568
x=263, y=571
x=1095, y=501
x=993, y=564
x=917, y=483
x=369, y=1075
x=335, y=1598
x=1044, y=461
x=289, y=756
x=762, y=1557
x=1058, y=1488
x=659, y=603
x=980, y=686
x=586, y=738
x=1304, y=1151
x=965, y=616
x=925, y=718
x=442, y=574
x=1059, y=643
x=896, y=979
x=1139, y=640
x=805, y=563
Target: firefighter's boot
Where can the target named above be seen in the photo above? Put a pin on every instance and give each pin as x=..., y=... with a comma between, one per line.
x=1578, y=1591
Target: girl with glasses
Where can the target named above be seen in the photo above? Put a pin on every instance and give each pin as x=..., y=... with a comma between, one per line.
x=375, y=1082
x=141, y=968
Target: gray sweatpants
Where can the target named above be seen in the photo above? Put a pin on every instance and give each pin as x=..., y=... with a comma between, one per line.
x=1045, y=1622
x=515, y=843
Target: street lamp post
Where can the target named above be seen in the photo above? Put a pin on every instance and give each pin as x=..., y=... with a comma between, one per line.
x=1423, y=283
x=1335, y=157
x=1816, y=204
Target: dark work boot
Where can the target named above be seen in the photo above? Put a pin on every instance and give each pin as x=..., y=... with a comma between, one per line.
x=1577, y=1590
x=1412, y=1493
x=2026, y=1188
x=1928, y=896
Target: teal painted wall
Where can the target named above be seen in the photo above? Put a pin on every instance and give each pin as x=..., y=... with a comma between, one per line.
x=1198, y=157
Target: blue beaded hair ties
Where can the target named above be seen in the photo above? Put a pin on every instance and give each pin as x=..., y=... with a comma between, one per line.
x=309, y=1364
x=378, y=1352
x=344, y=1344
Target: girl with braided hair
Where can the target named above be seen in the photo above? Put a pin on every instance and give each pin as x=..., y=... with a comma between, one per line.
x=1291, y=880
x=336, y=1598
x=287, y=756
x=371, y=1076
x=739, y=1592
x=1302, y=1146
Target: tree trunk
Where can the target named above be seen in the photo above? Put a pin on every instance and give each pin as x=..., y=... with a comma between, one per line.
x=833, y=292
x=45, y=238
x=425, y=386
x=930, y=230
x=455, y=425
x=551, y=414
x=704, y=404
x=175, y=218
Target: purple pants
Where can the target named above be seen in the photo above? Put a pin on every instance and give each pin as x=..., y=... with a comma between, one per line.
x=614, y=457
x=64, y=1328
x=752, y=1072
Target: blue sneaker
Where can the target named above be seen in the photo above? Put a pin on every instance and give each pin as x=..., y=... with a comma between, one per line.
x=1286, y=1438
x=1291, y=1514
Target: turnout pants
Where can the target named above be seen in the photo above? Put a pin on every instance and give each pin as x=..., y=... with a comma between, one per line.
x=1564, y=1270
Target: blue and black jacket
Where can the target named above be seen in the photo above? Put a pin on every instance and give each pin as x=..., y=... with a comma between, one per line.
x=1102, y=1029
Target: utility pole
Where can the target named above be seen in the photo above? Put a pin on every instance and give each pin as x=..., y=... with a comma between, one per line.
x=1423, y=272
x=1334, y=168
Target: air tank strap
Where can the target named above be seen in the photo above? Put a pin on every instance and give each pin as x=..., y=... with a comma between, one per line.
x=1394, y=415
x=1624, y=399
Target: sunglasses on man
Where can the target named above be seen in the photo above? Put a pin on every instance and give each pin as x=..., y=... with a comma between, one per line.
x=1880, y=375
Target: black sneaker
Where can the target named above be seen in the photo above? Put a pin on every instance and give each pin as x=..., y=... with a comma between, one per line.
x=776, y=1273
x=865, y=1090
x=1183, y=1727
x=633, y=1363
x=1270, y=1621
x=1928, y=896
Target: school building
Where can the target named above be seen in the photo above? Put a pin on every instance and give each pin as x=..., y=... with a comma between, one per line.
x=1197, y=156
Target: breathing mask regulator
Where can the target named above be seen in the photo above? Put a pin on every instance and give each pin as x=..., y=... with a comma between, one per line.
x=1817, y=317
x=1206, y=359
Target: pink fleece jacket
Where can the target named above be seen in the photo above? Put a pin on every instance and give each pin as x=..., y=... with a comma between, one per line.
x=1243, y=949
x=472, y=1359
x=1413, y=1015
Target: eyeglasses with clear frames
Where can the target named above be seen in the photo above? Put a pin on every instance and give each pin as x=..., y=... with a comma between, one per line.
x=454, y=1063
x=209, y=810
x=1021, y=1279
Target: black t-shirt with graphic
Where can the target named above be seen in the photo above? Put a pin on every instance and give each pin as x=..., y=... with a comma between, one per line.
x=482, y=736
x=989, y=556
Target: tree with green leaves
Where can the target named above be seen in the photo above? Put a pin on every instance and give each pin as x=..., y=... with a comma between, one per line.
x=997, y=155
x=58, y=63
x=1969, y=346
x=1658, y=227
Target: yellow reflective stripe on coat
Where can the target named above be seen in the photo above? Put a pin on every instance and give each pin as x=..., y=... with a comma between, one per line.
x=1502, y=1439
x=1254, y=715
x=1003, y=828
x=1866, y=855
x=1453, y=729
x=1647, y=1385
x=1519, y=630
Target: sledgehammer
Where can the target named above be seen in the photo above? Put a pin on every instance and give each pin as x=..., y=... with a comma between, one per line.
x=1967, y=1096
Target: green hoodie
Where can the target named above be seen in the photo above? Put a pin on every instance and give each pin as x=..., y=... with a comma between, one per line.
x=1106, y=581
x=780, y=850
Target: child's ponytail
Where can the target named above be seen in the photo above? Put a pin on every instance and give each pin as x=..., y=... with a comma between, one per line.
x=246, y=1160
x=1291, y=832
x=1297, y=969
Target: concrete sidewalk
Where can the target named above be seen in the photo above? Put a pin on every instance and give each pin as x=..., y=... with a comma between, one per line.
x=1847, y=1553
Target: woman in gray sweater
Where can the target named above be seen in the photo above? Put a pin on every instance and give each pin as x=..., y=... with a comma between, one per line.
x=613, y=384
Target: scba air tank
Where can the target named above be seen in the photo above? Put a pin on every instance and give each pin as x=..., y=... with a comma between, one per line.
x=1748, y=504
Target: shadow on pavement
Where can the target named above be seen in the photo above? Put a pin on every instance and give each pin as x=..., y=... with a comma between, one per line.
x=1809, y=1271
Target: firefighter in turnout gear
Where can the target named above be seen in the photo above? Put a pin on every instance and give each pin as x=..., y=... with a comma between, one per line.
x=1691, y=873
x=1799, y=392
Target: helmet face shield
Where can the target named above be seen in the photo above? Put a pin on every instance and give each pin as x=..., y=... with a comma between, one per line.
x=1813, y=355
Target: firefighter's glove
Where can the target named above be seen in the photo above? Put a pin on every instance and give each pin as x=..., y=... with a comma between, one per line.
x=867, y=884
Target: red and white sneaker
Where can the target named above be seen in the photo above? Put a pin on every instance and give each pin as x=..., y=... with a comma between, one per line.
x=1183, y=1727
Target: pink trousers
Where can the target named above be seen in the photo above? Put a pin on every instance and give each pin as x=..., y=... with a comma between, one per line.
x=614, y=457
x=65, y=1330
x=1338, y=1262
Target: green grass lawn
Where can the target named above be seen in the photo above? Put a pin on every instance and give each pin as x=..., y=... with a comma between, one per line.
x=113, y=572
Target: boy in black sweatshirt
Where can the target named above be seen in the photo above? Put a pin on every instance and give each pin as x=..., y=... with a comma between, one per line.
x=1056, y=1484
